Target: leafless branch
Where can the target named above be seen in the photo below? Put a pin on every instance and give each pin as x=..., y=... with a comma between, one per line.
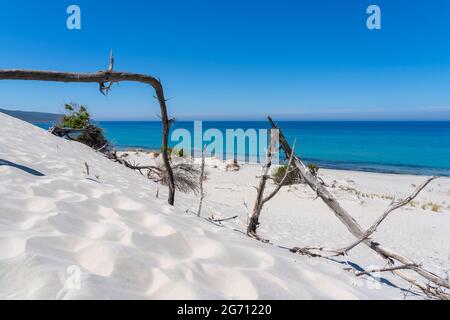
x=280, y=185
x=87, y=168
x=223, y=220
x=202, y=178
x=111, y=61
x=254, y=219
x=402, y=267
x=102, y=77
x=185, y=174
x=260, y=199
x=394, y=206
x=66, y=132
x=352, y=225
x=315, y=251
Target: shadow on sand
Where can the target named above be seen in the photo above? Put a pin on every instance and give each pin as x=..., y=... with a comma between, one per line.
x=20, y=167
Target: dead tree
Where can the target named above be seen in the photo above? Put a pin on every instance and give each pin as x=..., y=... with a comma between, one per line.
x=358, y=232
x=66, y=132
x=260, y=199
x=105, y=80
x=113, y=156
x=185, y=174
x=257, y=207
x=202, y=177
x=394, y=206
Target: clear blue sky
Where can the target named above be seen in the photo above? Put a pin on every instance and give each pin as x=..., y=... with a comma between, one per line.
x=236, y=59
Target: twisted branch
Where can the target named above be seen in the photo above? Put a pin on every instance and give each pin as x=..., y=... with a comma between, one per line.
x=356, y=230
x=102, y=77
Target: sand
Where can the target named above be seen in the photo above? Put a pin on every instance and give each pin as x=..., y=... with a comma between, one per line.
x=65, y=234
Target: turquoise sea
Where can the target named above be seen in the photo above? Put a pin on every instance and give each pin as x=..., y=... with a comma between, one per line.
x=395, y=147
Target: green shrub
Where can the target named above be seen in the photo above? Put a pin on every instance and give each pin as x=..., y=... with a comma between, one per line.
x=292, y=178
x=313, y=168
x=169, y=150
x=78, y=117
x=180, y=153
x=177, y=152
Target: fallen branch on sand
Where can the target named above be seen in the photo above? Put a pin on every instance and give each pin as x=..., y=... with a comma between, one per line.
x=222, y=220
x=314, y=252
x=403, y=267
x=394, y=206
x=66, y=132
x=185, y=174
x=202, y=178
x=105, y=80
x=357, y=231
x=260, y=199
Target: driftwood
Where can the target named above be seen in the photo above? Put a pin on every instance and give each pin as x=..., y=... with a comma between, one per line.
x=254, y=219
x=316, y=252
x=403, y=267
x=66, y=132
x=233, y=166
x=202, y=177
x=260, y=199
x=222, y=220
x=90, y=130
x=394, y=206
x=113, y=156
x=185, y=175
x=357, y=231
x=87, y=168
x=105, y=80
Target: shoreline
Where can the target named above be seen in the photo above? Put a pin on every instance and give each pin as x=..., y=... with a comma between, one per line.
x=66, y=205
x=339, y=165
x=384, y=154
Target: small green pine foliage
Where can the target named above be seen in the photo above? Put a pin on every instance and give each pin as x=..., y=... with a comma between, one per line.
x=279, y=173
x=175, y=152
x=78, y=117
x=313, y=168
x=169, y=150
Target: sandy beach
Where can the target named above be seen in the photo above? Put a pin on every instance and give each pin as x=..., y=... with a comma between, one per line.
x=295, y=217
x=108, y=224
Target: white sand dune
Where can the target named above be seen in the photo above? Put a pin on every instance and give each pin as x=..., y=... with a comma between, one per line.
x=56, y=220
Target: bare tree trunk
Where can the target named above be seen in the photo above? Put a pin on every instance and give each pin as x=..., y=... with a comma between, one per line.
x=109, y=77
x=65, y=132
x=394, y=206
x=323, y=193
x=254, y=219
x=350, y=223
x=260, y=199
x=202, y=177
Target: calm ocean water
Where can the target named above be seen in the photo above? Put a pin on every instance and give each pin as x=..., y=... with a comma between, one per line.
x=395, y=147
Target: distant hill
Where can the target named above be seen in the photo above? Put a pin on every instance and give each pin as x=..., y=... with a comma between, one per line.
x=33, y=117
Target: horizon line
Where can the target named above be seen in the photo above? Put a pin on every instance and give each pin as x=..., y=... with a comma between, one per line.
x=280, y=119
